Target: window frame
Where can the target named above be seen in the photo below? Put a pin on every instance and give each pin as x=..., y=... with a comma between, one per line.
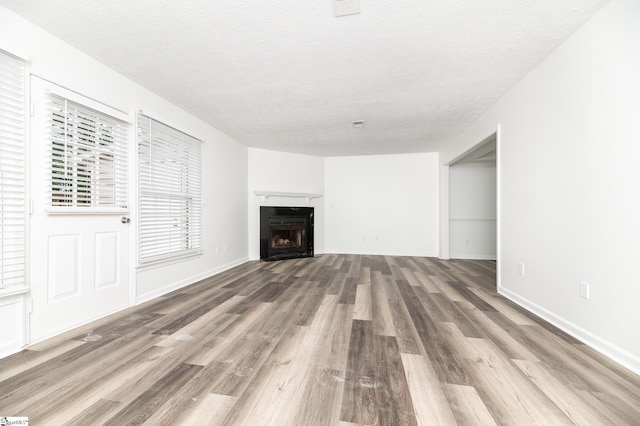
x=13, y=174
x=82, y=133
x=169, y=189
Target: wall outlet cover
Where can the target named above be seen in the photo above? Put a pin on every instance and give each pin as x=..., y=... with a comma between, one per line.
x=584, y=290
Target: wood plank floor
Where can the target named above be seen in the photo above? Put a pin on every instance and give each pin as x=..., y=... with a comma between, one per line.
x=330, y=340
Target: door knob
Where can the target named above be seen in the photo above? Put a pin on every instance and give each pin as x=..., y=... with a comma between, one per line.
x=125, y=220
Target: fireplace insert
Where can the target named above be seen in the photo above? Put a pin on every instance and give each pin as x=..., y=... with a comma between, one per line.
x=286, y=232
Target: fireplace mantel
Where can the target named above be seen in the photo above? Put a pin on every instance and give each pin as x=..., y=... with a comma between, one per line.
x=266, y=194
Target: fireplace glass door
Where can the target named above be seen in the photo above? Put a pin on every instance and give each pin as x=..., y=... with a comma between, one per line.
x=286, y=232
x=287, y=235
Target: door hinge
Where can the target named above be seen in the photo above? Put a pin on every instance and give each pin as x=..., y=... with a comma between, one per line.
x=31, y=108
x=30, y=307
x=30, y=206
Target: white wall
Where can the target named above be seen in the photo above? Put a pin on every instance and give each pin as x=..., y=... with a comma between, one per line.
x=472, y=210
x=569, y=183
x=13, y=331
x=385, y=204
x=284, y=172
x=224, y=159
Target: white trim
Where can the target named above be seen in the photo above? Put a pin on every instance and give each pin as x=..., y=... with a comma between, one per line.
x=28, y=300
x=474, y=257
x=84, y=100
x=165, y=123
x=444, y=212
x=13, y=291
x=266, y=194
x=472, y=220
x=11, y=51
x=498, y=206
x=55, y=210
x=617, y=354
x=133, y=205
x=365, y=253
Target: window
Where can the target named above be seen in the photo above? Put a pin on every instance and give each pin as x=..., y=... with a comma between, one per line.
x=88, y=158
x=169, y=197
x=12, y=172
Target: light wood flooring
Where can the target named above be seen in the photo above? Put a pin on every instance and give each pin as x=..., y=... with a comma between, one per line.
x=330, y=340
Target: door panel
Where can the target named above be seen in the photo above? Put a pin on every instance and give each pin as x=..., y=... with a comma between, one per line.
x=107, y=259
x=63, y=265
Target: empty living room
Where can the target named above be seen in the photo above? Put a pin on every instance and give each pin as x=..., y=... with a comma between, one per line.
x=339, y=212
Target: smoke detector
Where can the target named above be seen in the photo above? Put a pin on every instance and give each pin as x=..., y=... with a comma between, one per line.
x=346, y=7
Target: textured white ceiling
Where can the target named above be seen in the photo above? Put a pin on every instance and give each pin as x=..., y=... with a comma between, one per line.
x=287, y=75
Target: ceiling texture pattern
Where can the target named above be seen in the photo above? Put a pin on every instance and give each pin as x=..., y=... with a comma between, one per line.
x=288, y=75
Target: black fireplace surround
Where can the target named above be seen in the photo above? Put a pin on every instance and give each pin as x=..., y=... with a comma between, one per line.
x=286, y=232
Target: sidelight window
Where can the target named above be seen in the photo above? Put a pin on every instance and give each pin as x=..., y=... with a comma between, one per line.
x=12, y=172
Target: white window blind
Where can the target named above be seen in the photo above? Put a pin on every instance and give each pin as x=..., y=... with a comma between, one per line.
x=88, y=157
x=169, y=192
x=12, y=172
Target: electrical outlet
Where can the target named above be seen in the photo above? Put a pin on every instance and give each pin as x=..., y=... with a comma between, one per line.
x=521, y=269
x=584, y=290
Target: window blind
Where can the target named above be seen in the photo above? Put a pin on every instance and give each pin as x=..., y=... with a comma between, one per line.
x=88, y=157
x=12, y=172
x=169, y=192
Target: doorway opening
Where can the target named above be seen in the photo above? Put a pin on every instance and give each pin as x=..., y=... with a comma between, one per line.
x=471, y=204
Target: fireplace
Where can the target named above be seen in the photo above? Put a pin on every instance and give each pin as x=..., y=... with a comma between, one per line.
x=286, y=232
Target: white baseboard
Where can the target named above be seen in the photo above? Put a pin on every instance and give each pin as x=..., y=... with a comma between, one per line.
x=188, y=281
x=473, y=257
x=617, y=354
x=382, y=253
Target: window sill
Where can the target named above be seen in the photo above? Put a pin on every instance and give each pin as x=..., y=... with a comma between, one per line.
x=13, y=291
x=86, y=210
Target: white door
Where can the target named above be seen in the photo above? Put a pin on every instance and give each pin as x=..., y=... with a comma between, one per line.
x=79, y=257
